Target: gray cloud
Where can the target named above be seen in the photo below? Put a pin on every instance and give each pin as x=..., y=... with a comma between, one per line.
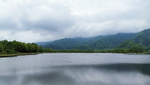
x=47, y=20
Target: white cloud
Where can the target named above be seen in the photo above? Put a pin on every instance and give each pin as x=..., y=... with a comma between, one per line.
x=54, y=19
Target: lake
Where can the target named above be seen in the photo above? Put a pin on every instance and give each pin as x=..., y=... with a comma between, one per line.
x=76, y=69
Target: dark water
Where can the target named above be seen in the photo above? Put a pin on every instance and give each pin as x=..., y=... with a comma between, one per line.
x=76, y=69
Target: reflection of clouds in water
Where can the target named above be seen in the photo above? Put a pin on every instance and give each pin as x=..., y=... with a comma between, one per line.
x=53, y=59
x=8, y=80
x=80, y=75
x=109, y=77
x=75, y=69
x=54, y=78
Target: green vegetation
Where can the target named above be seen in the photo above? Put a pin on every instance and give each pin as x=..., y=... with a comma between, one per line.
x=111, y=42
x=14, y=48
x=143, y=38
x=82, y=47
x=130, y=45
x=14, y=55
x=131, y=50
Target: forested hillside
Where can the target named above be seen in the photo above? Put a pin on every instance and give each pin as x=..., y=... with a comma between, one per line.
x=143, y=38
x=90, y=40
x=140, y=42
x=66, y=43
x=109, y=42
x=71, y=43
x=103, y=42
x=128, y=44
x=96, y=43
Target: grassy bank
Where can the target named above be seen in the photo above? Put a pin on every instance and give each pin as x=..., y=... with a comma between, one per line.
x=100, y=51
x=14, y=55
x=146, y=52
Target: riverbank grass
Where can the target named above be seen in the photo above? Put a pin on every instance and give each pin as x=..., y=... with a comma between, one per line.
x=15, y=55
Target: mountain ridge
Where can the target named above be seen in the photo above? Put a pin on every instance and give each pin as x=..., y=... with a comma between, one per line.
x=101, y=42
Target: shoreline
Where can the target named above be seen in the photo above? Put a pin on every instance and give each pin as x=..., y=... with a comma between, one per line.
x=17, y=54
x=23, y=54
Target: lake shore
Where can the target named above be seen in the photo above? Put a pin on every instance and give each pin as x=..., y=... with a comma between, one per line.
x=15, y=55
x=21, y=54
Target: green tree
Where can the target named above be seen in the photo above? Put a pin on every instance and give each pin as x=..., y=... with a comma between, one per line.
x=40, y=48
x=30, y=47
x=4, y=42
x=21, y=47
x=35, y=47
x=10, y=45
x=1, y=47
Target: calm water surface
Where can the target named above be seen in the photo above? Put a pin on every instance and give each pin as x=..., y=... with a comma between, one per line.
x=76, y=69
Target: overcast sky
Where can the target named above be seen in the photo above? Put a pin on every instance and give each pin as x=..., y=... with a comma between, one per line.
x=48, y=20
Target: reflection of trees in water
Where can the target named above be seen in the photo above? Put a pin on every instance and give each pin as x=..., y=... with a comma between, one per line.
x=143, y=68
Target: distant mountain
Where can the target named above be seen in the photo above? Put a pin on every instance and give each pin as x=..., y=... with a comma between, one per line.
x=66, y=43
x=96, y=43
x=52, y=47
x=143, y=38
x=72, y=43
x=127, y=45
x=111, y=42
x=103, y=42
x=90, y=40
x=43, y=43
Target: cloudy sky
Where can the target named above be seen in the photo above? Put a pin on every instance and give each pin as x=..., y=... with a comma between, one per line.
x=48, y=20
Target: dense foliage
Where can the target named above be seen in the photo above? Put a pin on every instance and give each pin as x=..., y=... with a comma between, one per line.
x=130, y=45
x=11, y=47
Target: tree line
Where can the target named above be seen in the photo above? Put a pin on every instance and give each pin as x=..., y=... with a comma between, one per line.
x=68, y=51
x=12, y=47
x=130, y=50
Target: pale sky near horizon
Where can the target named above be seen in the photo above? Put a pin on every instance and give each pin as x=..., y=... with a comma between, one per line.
x=48, y=20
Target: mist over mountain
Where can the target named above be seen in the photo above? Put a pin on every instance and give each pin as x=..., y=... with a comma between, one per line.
x=111, y=41
x=142, y=39
x=66, y=43
x=102, y=42
x=43, y=43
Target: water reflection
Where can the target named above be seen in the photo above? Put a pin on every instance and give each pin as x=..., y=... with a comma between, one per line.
x=76, y=69
x=107, y=74
x=46, y=78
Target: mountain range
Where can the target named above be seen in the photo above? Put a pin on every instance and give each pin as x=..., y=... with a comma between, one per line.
x=102, y=42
